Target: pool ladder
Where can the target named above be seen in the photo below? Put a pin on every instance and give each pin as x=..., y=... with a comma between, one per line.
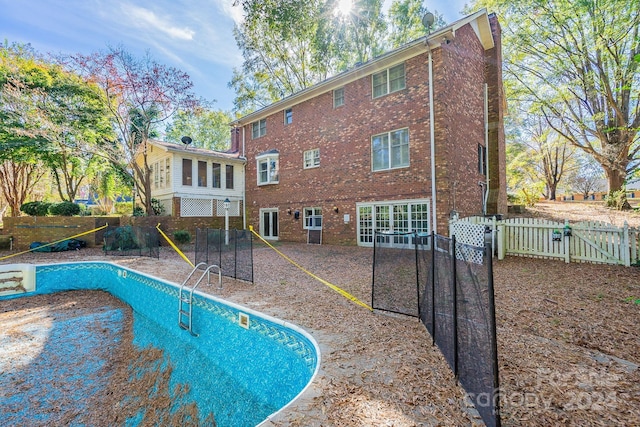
x=185, y=296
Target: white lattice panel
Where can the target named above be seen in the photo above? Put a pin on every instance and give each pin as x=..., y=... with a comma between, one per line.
x=196, y=207
x=234, y=208
x=469, y=234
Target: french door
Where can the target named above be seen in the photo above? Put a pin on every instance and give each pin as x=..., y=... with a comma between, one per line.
x=269, y=223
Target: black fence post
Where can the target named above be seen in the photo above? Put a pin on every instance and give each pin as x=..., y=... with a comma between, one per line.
x=373, y=270
x=454, y=291
x=488, y=252
x=415, y=248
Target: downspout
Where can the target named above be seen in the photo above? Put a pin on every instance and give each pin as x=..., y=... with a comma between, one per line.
x=244, y=184
x=486, y=147
x=433, y=144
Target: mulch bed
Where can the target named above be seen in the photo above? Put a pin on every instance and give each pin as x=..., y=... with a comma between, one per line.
x=568, y=341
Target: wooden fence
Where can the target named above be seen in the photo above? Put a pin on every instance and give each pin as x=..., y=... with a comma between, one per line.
x=591, y=241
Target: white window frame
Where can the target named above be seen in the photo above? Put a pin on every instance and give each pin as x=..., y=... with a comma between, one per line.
x=273, y=168
x=340, y=98
x=311, y=158
x=387, y=85
x=387, y=141
x=258, y=128
x=167, y=172
x=392, y=216
x=288, y=116
x=309, y=212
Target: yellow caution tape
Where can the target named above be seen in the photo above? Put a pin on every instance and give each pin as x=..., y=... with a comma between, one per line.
x=324, y=282
x=174, y=246
x=57, y=241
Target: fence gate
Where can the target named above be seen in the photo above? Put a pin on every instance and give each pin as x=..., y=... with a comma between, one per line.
x=591, y=241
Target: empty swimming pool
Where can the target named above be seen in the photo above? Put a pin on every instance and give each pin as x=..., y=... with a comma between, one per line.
x=241, y=368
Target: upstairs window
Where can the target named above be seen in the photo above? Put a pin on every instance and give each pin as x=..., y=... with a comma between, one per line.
x=338, y=97
x=390, y=150
x=388, y=81
x=312, y=158
x=482, y=160
x=202, y=174
x=229, y=177
x=268, y=169
x=259, y=128
x=167, y=172
x=288, y=116
x=187, y=172
x=216, y=175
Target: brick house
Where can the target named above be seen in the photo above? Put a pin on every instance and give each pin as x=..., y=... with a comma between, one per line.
x=195, y=182
x=366, y=150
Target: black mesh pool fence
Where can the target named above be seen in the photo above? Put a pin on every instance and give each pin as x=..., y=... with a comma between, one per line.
x=132, y=241
x=232, y=250
x=451, y=291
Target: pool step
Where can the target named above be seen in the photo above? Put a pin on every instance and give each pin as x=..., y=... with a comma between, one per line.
x=17, y=279
x=185, y=296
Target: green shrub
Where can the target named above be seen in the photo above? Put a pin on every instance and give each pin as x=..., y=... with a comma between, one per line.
x=617, y=200
x=64, y=209
x=182, y=236
x=36, y=208
x=158, y=209
x=123, y=208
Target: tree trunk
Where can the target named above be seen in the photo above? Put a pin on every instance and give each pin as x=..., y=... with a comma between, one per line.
x=552, y=192
x=615, y=178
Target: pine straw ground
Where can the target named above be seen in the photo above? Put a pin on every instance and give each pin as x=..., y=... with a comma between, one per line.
x=568, y=339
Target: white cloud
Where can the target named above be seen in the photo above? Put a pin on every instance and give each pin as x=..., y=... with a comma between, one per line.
x=227, y=7
x=146, y=18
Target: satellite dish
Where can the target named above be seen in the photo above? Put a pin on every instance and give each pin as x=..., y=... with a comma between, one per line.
x=186, y=140
x=427, y=20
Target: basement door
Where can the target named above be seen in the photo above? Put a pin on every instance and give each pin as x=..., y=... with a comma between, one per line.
x=269, y=223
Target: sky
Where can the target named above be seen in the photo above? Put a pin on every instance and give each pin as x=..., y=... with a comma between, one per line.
x=195, y=36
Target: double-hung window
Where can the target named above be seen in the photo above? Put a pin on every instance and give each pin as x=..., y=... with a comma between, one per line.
x=390, y=150
x=229, y=177
x=268, y=168
x=388, y=81
x=215, y=180
x=288, y=116
x=187, y=172
x=312, y=158
x=259, y=128
x=202, y=174
x=338, y=97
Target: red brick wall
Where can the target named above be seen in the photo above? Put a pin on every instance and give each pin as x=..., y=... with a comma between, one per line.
x=343, y=136
x=26, y=230
x=169, y=224
x=459, y=100
x=497, y=156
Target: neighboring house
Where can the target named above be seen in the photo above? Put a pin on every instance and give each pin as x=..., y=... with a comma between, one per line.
x=194, y=182
x=367, y=151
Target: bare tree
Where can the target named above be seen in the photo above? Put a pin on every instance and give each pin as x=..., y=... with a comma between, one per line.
x=142, y=96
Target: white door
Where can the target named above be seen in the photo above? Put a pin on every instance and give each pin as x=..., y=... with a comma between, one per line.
x=269, y=223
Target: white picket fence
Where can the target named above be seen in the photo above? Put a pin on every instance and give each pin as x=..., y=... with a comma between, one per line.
x=591, y=241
